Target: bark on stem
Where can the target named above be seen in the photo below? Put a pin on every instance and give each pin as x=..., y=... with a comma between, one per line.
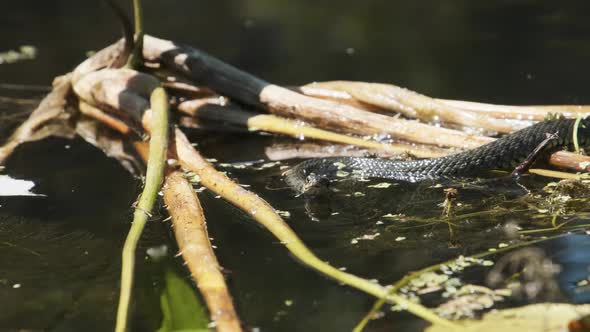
x=190, y=230
x=413, y=104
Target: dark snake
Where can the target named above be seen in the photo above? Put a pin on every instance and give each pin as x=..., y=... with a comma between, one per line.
x=504, y=153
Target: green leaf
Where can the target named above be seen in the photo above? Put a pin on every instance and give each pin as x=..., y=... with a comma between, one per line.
x=181, y=308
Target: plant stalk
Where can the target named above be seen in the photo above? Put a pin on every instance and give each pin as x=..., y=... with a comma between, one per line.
x=153, y=181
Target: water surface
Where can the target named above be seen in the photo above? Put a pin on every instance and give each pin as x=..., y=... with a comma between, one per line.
x=60, y=253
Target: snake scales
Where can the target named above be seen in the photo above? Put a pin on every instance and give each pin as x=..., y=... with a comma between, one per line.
x=503, y=154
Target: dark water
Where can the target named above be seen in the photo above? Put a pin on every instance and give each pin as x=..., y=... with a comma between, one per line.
x=63, y=250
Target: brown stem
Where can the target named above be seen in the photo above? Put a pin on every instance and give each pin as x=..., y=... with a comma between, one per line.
x=191, y=234
x=414, y=105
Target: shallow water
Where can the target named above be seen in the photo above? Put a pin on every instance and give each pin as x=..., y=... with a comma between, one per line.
x=60, y=253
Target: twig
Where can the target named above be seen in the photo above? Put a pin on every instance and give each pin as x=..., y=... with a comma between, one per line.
x=193, y=242
x=570, y=160
x=154, y=174
x=103, y=117
x=554, y=174
x=532, y=113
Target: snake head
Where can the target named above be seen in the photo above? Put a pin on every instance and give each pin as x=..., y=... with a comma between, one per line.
x=305, y=181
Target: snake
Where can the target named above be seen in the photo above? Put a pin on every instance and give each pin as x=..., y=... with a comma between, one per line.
x=505, y=153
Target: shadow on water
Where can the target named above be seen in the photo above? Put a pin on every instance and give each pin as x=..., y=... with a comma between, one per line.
x=61, y=252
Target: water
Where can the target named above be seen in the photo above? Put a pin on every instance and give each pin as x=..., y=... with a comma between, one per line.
x=61, y=253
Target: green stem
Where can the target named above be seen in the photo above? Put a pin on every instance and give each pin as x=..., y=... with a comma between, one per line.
x=307, y=257
x=136, y=56
x=153, y=181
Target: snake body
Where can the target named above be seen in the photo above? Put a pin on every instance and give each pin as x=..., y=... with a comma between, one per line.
x=503, y=154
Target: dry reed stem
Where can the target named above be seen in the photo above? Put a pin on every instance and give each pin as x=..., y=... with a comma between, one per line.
x=275, y=124
x=245, y=88
x=554, y=174
x=570, y=160
x=350, y=92
x=413, y=104
x=49, y=118
x=98, y=114
x=533, y=113
x=306, y=150
x=190, y=230
x=333, y=115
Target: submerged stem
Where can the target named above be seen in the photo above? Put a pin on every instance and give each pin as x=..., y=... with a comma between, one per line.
x=153, y=181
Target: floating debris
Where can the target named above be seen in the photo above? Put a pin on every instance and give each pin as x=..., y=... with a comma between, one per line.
x=269, y=165
x=15, y=187
x=466, y=301
x=342, y=174
x=284, y=214
x=394, y=216
x=340, y=165
x=366, y=237
x=25, y=52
